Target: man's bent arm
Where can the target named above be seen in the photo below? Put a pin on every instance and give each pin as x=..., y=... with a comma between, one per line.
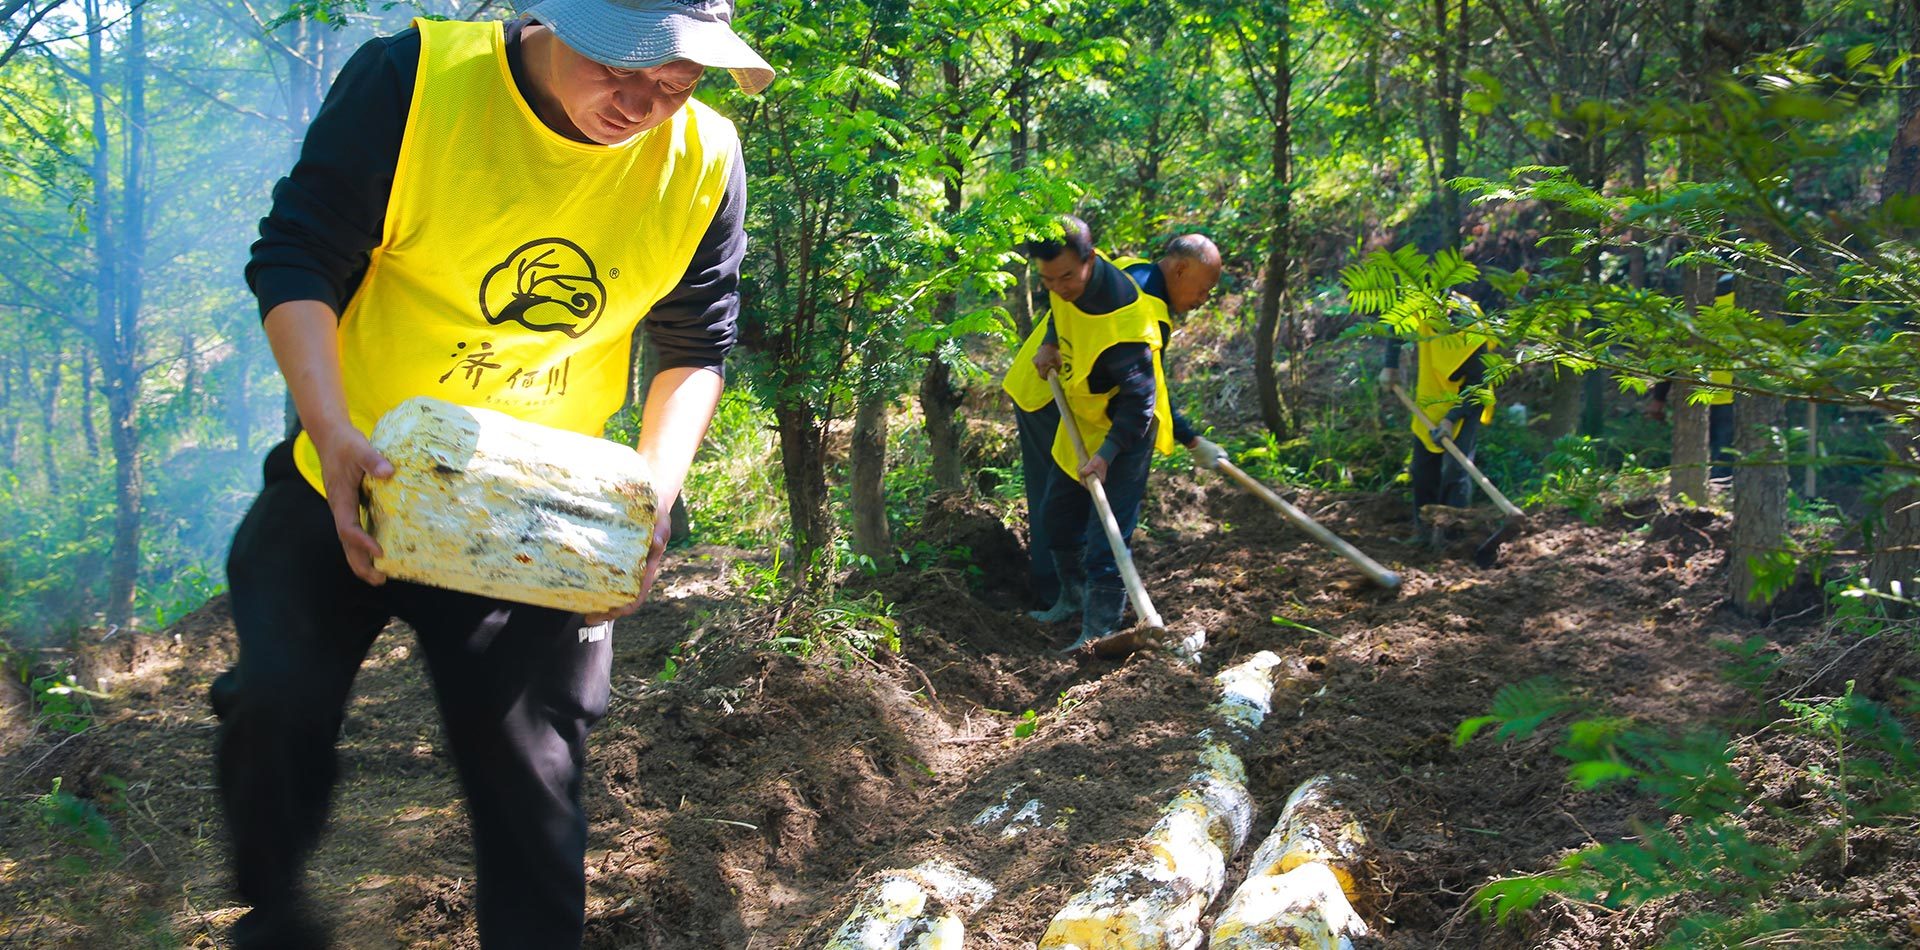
x=680, y=404
x=305, y=339
x=303, y=334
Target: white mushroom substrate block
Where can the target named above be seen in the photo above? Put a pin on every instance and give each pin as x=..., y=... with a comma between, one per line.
x=921, y=908
x=484, y=503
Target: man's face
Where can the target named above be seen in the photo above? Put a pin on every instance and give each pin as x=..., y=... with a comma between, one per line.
x=1190, y=283
x=611, y=105
x=1066, y=275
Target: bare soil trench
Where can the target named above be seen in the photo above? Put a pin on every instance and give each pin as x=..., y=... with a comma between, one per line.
x=742, y=803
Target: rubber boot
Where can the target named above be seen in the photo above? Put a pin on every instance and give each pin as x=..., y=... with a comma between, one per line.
x=1105, y=606
x=1073, y=586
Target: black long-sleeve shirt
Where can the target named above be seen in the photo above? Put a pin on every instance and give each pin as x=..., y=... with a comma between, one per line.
x=1125, y=369
x=1154, y=281
x=329, y=212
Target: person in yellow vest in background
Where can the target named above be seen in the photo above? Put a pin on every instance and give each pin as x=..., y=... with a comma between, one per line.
x=1102, y=337
x=1448, y=361
x=1719, y=401
x=483, y=213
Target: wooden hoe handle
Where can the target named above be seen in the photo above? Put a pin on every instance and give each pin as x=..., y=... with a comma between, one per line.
x=1506, y=507
x=1136, y=591
x=1379, y=575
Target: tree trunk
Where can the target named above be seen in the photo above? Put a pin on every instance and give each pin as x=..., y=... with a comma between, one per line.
x=939, y=397
x=1017, y=157
x=1564, y=398
x=1563, y=403
x=1449, y=68
x=190, y=376
x=1273, y=410
x=1760, y=476
x=1896, y=545
x=868, y=459
x=108, y=338
x=940, y=401
x=803, y=464
x=1023, y=299
x=1689, y=470
x=50, y=435
x=239, y=401
x=1759, y=496
x=123, y=380
x=9, y=422
x=1637, y=177
x=87, y=428
x=1593, y=405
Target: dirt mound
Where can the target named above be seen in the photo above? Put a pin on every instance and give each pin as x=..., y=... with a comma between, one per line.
x=968, y=535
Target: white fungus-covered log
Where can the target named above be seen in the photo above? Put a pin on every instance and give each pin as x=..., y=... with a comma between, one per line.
x=922, y=908
x=1314, y=828
x=1246, y=692
x=1015, y=821
x=1300, y=884
x=1153, y=898
x=1303, y=909
x=484, y=503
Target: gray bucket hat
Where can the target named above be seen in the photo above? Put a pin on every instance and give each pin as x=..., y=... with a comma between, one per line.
x=635, y=34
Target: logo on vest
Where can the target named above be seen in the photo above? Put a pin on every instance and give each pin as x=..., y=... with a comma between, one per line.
x=547, y=284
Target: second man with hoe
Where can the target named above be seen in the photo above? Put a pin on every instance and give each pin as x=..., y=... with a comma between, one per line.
x=1102, y=338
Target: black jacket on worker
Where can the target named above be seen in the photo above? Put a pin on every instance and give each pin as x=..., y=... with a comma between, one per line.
x=1150, y=278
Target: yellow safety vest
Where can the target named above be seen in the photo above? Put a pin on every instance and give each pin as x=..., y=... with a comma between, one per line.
x=1161, y=313
x=1082, y=338
x=515, y=263
x=1439, y=353
x=1720, y=397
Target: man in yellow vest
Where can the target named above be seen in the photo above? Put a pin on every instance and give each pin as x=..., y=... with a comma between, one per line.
x=1181, y=280
x=483, y=213
x=1102, y=338
x=1448, y=362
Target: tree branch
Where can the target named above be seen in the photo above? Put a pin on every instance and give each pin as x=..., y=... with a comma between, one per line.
x=26, y=29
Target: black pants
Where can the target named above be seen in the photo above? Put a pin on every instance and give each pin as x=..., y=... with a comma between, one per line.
x=1439, y=480
x=1070, y=516
x=516, y=686
x=1720, y=439
x=1037, y=468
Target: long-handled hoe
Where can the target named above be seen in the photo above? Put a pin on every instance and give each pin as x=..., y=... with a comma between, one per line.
x=1149, y=630
x=1515, y=520
x=1299, y=519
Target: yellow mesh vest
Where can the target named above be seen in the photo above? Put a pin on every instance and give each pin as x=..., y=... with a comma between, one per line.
x=515, y=264
x=1162, y=314
x=1439, y=353
x=1082, y=339
x=1720, y=397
